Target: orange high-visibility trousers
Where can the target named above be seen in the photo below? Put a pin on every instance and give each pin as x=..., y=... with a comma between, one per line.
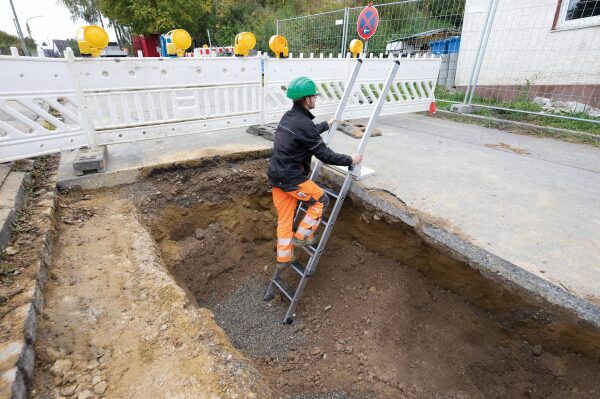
x=285, y=203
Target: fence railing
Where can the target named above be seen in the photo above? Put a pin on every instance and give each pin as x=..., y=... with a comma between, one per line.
x=522, y=60
x=49, y=105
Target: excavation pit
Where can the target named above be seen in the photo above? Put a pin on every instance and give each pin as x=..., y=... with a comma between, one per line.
x=386, y=315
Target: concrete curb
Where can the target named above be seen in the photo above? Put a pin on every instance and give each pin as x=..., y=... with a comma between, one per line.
x=12, y=196
x=17, y=353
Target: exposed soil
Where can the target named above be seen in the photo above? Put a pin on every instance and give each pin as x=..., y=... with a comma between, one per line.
x=368, y=325
x=115, y=323
x=372, y=323
x=508, y=147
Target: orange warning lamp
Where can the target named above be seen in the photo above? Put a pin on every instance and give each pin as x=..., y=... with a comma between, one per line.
x=178, y=40
x=244, y=42
x=92, y=41
x=279, y=45
x=356, y=47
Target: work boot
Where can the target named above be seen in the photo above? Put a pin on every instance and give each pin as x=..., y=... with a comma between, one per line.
x=282, y=265
x=304, y=243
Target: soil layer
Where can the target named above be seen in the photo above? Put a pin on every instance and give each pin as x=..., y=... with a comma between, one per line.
x=369, y=324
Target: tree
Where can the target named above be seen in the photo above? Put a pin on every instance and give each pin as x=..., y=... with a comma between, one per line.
x=158, y=16
x=72, y=43
x=84, y=9
x=7, y=40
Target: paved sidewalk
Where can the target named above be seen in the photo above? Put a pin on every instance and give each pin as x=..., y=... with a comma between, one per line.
x=538, y=209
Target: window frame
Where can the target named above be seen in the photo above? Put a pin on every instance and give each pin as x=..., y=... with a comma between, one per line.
x=560, y=22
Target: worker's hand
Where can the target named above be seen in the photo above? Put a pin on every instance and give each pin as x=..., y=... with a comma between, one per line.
x=330, y=122
x=356, y=159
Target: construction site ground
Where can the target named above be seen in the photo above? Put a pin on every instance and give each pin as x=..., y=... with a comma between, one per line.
x=160, y=265
x=139, y=268
x=530, y=201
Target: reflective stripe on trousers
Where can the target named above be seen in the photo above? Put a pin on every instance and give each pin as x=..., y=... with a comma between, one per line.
x=285, y=203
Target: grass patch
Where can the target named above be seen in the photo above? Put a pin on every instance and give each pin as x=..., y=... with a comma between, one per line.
x=521, y=104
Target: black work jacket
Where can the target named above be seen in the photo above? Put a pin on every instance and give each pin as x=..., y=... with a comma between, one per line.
x=297, y=139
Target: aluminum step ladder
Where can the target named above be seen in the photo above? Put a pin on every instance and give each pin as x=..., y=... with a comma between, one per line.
x=350, y=173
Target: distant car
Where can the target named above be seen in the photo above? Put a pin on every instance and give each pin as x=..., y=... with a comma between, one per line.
x=113, y=50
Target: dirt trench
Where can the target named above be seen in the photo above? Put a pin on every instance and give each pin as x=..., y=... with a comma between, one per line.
x=371, y=323
x=374, y=322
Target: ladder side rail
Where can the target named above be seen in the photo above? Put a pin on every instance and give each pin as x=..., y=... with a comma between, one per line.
x=314, y=259
x=375, y=113
x=339, y=113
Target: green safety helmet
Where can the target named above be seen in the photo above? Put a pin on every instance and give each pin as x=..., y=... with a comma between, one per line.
x=301, y=87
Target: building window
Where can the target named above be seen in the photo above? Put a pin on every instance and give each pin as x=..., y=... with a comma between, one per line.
x=577, y=14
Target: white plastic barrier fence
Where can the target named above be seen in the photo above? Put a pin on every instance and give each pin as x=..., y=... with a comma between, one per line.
x=412, y=90
x=50, y=105
x=38, y=108
x=143, y=98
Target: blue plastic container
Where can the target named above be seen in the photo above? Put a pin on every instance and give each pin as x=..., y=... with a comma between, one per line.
x=439, y=47
x=453, y=44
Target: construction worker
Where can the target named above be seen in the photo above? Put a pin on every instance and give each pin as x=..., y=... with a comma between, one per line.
x=297, y=139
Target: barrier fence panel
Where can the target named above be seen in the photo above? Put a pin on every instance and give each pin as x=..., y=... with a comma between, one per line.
x=412, y=90
x=317, y=33
x=409, y=27
x=145, y=98
x=51, y=105
x=406, y=28
x=536, y=61
x=38, y=108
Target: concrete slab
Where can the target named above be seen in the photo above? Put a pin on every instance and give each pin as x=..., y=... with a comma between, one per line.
x=538, y=208
x=126, y=161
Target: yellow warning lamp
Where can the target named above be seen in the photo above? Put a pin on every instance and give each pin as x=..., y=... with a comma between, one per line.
x=279, y=45
x=178, y=40
x=244, y=42
x=356, y=47
x=92, y=41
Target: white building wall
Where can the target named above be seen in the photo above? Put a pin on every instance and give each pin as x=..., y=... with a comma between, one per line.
x=523, y=47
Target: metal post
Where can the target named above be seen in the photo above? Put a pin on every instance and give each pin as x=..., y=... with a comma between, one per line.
x=209, y=42
x=277, y=28
x=345, y=30
x=339, y=112
x=480, y=51
x=489, y=29
x=19, y=31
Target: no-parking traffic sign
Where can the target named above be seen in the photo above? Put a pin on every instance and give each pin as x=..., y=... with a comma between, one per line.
x=367, y=22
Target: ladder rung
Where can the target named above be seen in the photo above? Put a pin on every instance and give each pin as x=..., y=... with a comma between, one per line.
x=334, y=195
x=310, y=250
x=298, y=268
x=324, y=221
x=283, y=289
